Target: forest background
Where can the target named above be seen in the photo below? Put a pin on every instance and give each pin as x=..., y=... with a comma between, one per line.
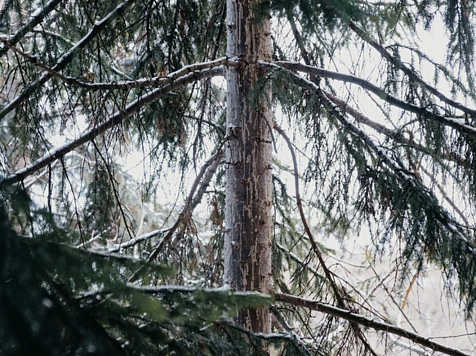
x=306, y=186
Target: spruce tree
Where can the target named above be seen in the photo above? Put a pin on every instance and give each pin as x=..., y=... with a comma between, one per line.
x=213, y=95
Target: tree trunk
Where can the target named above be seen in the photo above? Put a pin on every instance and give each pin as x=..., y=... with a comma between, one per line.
x=248, y=216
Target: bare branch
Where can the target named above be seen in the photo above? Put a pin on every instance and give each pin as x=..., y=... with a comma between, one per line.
x=187, y=207
x=329, y=276
x=207, y=176
x=367, y=322
x=314, y=245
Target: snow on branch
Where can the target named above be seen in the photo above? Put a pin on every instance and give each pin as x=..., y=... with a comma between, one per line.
x=367, y=322
x=123, y=85
x=456, y=123
x=113, y=120
x=67, y=57
x=34, y=20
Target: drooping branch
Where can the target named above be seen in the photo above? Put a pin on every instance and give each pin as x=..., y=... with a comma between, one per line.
x=34, y=20
x=67, y=57
x=408, y=71
x=114, y=120
x=456, y=123
x=367, y=322
x=396, y=134
x=402, y=174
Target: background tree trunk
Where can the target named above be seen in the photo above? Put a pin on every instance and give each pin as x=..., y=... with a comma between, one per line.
x=247, y=250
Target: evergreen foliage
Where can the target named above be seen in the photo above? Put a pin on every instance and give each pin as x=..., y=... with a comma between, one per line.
x=98, y=260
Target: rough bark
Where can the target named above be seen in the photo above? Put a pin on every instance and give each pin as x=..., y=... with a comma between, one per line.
x=248, y=216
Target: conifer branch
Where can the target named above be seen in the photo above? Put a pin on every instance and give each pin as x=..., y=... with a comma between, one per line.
x=123, y=85
x=34, y=20
x=396, y=135
x=67, y=57
x=457, y=239
x=114, y=120
x=367, y=322
x=456, y=123
x=408, y=71
x=403, y=175
x=83, y=318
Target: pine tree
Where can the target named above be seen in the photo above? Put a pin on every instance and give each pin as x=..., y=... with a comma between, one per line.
x=214, y=94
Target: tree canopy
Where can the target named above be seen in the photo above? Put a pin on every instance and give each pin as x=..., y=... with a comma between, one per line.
x=174, y=173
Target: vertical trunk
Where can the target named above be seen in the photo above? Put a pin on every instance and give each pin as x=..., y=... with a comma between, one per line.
x=248, y=222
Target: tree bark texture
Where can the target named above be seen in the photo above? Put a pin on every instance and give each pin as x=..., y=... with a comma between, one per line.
x=248, y=215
